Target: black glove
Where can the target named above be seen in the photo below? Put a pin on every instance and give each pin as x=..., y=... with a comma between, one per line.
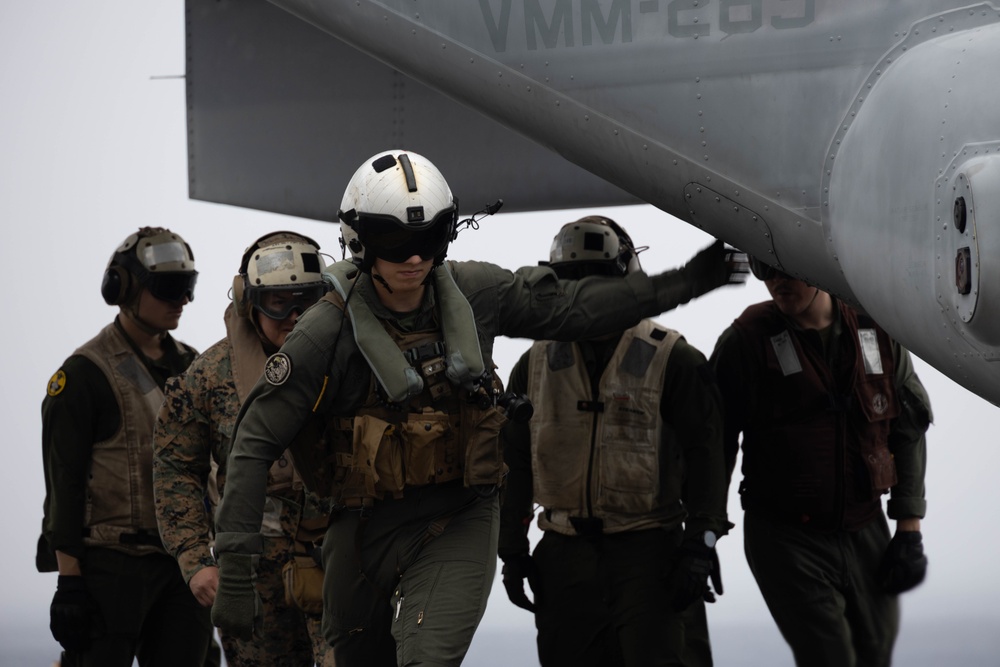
x=716, y=266
x=695, y=566
x=237, y=609
x=904, y=564
x=71, y=613
x=515, y=570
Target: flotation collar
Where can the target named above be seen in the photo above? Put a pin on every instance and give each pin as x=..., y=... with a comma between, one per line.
x=463, y=355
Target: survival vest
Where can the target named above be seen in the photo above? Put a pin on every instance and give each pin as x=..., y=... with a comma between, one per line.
x=119, y=507
x=429, y=416
x=816, y=448
x=601, y=462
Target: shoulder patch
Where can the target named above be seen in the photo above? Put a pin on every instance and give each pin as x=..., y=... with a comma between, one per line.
x=57, y=383
x=278, y=368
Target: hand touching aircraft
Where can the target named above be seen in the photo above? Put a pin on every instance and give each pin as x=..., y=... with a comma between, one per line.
x=852, y=143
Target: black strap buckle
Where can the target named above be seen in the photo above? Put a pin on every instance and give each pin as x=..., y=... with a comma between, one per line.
x=425, y=351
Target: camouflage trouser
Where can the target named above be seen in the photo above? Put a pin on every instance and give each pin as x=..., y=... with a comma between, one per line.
x=290, y=637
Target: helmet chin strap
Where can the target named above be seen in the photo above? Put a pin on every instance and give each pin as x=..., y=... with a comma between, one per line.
x=132, y=312
x=381, y=280
x=254, y=316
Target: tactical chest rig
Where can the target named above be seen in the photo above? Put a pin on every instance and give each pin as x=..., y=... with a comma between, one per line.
x=429, y=417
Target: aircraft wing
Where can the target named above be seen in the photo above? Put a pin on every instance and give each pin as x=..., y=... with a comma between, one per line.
x=853, y=143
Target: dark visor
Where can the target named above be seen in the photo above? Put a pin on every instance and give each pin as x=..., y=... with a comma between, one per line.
x=171, y=286
x=387, y=239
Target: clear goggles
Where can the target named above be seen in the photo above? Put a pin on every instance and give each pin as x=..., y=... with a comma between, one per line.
x=279, y=303
x=171, y=286
x=386, y=238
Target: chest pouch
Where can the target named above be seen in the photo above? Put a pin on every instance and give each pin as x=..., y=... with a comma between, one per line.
x=431, y=450
x=374, y=461
x=484, y=464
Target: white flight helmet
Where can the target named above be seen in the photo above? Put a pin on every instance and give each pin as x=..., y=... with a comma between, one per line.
x=397, y=205
x=593, y=245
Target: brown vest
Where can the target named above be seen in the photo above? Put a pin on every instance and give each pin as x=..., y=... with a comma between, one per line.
x=119, y=508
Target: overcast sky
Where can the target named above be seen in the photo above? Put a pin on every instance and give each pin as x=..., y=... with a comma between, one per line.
x=93, y=147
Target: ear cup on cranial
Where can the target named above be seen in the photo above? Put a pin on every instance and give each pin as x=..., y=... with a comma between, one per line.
x=240, y=296
x=115, y=285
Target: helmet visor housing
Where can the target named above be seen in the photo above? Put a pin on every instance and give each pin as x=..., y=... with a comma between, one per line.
x=386, y=238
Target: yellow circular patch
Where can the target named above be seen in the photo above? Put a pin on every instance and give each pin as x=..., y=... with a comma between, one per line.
x=57, y=383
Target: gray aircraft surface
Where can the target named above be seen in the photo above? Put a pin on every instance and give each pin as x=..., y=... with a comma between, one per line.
x=853, y=143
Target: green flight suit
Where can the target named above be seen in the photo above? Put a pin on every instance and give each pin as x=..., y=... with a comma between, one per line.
x=410, y=586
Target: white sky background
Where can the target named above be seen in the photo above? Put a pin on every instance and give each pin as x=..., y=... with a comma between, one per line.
x=93, y=148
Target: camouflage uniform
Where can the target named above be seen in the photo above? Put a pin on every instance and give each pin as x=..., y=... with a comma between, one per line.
x=193, y=432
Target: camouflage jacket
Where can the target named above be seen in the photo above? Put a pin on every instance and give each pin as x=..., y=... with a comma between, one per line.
x=191, y=444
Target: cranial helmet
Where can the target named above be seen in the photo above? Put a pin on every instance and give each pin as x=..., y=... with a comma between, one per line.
x=153, y=258
x=280, y=273
x=397, y=205
x=593, y=245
